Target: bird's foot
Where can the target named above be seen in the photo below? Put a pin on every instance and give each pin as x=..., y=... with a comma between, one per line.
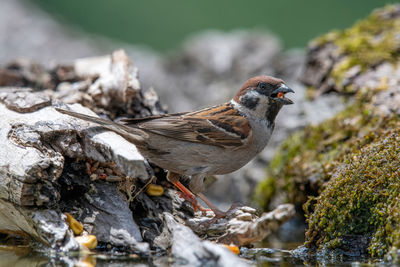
x=223, y=214
x=213, y=220
x=195, y=204
x=186, y=193
x=218, y=213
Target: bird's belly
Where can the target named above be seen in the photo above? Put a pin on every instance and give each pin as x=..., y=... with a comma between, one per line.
x=231, y=161
x=189, y=158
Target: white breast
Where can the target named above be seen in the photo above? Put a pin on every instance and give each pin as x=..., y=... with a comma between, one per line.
x=261, y=127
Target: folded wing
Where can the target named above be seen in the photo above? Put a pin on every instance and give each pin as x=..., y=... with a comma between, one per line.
x=221, y=126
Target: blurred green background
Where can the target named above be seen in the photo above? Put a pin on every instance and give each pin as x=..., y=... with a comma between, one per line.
x=163, y=25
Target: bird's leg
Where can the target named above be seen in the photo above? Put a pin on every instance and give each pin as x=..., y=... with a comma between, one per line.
x=197, y=186
x=218, y=213
x=186, y=194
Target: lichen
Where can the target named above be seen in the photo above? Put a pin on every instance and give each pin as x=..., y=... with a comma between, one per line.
x=366, y=44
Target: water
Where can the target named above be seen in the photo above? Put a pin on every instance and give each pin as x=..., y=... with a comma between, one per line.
x=25, y=257
x=282, y=248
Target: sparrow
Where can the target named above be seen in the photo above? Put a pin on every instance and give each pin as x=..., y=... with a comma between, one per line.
x=211, y=141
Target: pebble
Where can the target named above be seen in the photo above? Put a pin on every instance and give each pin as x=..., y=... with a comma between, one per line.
x=113, y=178
x=155, y=190
x=76, y=226
x=232, y=248
x=249, y=210
x=93, y=177
x=210, y=214
x=245, y=217
x=238, y=212
x=89, y=241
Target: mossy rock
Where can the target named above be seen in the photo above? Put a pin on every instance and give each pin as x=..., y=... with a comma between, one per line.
x=338, y=57
x=362, y=198
x=347, y=169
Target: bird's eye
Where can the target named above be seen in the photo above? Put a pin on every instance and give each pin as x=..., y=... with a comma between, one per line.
x=262, y=85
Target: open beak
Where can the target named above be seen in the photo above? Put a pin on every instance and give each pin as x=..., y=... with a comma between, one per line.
x=279, y=94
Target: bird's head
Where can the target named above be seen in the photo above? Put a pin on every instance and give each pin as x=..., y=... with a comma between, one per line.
x=263, y=96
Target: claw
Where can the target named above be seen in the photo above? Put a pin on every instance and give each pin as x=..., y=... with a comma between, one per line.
x=191, y=198
x=187, y=195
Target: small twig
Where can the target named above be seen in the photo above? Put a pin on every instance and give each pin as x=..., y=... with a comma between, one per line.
x=141, y=189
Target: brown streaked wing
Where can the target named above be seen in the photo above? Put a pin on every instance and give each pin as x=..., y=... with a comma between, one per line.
x=221, y=126
x=134, y=121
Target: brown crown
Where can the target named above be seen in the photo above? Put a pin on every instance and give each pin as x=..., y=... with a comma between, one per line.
x=253, y=83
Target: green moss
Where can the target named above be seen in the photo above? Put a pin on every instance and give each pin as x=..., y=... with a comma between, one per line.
x=367, y=43
x=362, y=198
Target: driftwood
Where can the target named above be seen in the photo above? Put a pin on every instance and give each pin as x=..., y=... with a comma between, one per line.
x=51, y=164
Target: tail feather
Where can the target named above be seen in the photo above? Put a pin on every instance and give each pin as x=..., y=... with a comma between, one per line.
x=123, y=130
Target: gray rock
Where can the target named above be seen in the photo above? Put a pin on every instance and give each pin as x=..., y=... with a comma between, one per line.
x=245, y=230
x=50, y=225
x=151, y=218
x=188, y=250
x=32, y=160
x=384, y=76
x=106, y=215
x=34, y=144
x=45, y=226
x=25, y=102
x=388, y=102
x=106, y=146
x=320, y=61
x=108, y=85
x=242, y=226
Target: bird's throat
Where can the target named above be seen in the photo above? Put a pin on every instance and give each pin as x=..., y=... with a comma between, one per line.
x=272, y=111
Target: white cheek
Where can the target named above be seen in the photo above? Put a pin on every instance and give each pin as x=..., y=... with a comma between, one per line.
x=260, y=109
x=253, y=94
x=262, y=104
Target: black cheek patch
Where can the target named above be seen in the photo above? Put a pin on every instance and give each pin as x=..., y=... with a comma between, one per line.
x=249, y=102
